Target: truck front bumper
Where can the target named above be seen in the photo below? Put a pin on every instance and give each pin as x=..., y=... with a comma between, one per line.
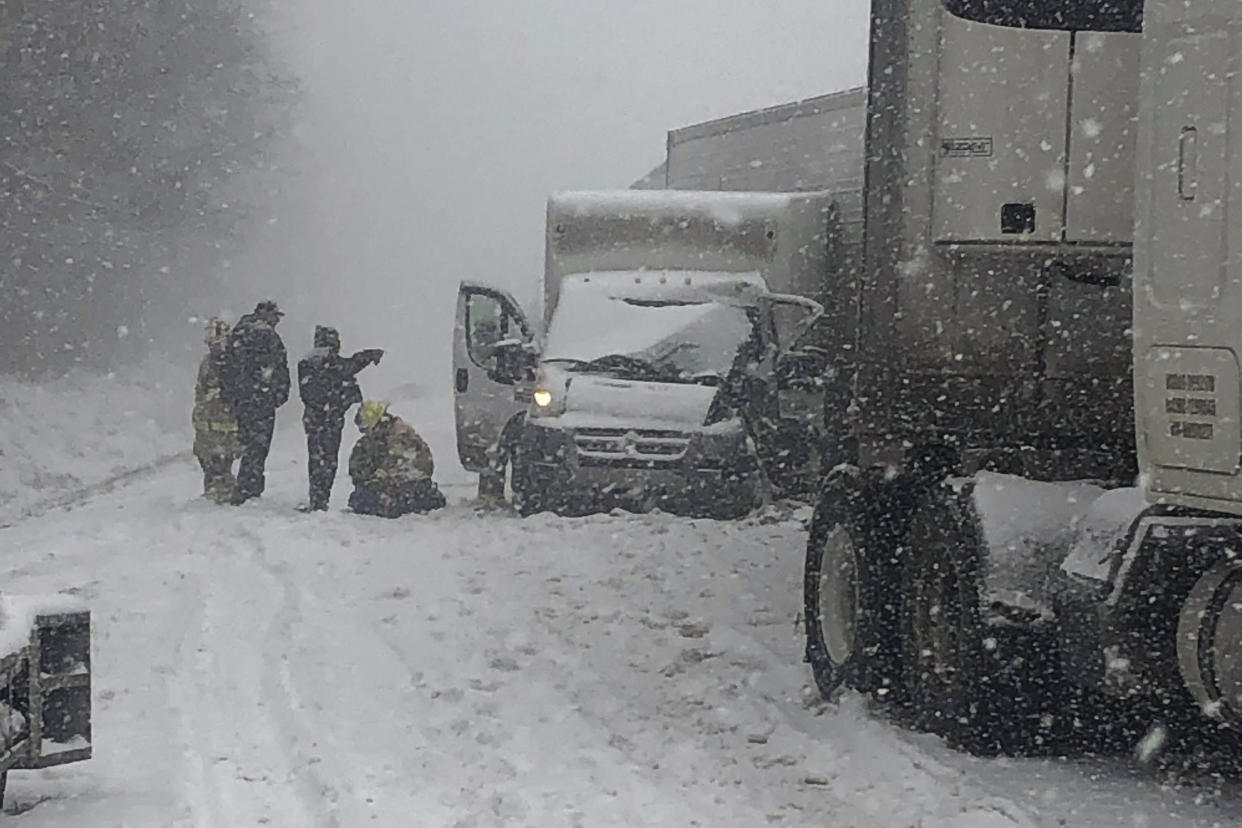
x=709, y=473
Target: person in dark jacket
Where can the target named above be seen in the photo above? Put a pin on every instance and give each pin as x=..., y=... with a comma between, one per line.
x=328, y=385
x=255, y=383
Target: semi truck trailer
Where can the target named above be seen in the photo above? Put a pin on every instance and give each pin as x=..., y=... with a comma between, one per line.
x=992, y=154
x=1045, y=493
x=1039, y=491
x=672, y=324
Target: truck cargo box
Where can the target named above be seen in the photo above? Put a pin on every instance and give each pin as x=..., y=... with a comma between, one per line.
x=790, y=239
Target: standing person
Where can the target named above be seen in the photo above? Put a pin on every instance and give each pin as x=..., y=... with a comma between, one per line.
x=256, y=384
x=391, y=466
x=215, y=427
x=328, y=386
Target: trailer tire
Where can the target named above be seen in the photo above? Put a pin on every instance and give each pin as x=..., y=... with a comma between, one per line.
x=1207, y=625
x=847, y=639
x=941, y=630
x=986, y=690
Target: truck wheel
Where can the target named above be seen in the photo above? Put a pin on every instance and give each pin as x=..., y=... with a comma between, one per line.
x=842, y=582
x=1208, y=653
x=978, y=688
x=937, y=630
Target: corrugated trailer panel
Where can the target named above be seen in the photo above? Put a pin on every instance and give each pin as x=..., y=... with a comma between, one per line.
x=816, y=144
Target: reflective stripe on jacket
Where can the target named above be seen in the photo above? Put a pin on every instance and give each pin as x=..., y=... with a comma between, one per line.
x=211, y=412
x=390, y=455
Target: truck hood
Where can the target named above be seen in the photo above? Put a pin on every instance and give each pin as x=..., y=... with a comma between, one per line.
x=603, y=401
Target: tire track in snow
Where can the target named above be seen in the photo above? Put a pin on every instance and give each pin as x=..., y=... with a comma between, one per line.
x=279, y=693
x=201, y=789
x=237, y=748
x=710, y=701
x=84, y=494
x=348, y=697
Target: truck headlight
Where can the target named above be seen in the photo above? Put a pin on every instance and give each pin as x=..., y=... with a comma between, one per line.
x=550, y=394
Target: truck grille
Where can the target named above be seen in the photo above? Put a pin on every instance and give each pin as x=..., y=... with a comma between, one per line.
x=638, y=447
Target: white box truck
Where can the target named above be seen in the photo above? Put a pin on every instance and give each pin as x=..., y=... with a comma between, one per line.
x=671, y=323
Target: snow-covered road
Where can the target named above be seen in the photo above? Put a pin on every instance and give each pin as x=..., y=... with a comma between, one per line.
x=469, y=668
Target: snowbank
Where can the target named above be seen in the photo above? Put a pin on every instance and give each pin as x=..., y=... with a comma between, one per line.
x=61, y=437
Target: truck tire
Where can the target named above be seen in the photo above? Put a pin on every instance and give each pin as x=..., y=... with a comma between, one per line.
x=986, y=690
x=1207, y=642
x=938, y=620
x=847, y=619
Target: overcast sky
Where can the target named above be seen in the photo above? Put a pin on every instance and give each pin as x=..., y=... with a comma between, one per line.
x=433, y=131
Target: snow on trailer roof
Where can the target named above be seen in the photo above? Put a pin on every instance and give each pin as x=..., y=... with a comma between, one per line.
x=659, y=201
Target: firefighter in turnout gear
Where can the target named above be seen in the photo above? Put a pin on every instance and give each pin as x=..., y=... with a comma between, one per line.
x=391, y=466
x=328, y=385
x=215, y=427
x=256, y=383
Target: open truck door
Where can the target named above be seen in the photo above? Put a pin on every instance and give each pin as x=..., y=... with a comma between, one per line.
x=493, y=369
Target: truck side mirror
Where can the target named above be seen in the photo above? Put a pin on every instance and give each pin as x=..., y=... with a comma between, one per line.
x=801, y=370
x=512, y=362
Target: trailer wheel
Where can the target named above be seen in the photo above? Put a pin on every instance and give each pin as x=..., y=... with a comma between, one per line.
x=1208, y=652
x=947, y=663
x=987, y=690
x=845, y=629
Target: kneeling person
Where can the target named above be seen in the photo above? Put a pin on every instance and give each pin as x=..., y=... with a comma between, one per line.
x=390, y=466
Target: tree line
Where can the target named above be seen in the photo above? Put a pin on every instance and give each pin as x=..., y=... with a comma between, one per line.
x=136, y=137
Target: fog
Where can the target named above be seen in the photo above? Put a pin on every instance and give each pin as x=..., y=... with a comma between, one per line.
x=429, y=134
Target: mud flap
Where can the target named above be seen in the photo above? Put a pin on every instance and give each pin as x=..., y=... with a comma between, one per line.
x=60, y=690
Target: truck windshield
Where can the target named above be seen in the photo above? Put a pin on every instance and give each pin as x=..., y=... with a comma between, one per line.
x=592, y=330
x=1066, y=15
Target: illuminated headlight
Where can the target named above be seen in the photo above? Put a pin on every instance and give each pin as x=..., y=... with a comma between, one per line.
x=551, y=392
